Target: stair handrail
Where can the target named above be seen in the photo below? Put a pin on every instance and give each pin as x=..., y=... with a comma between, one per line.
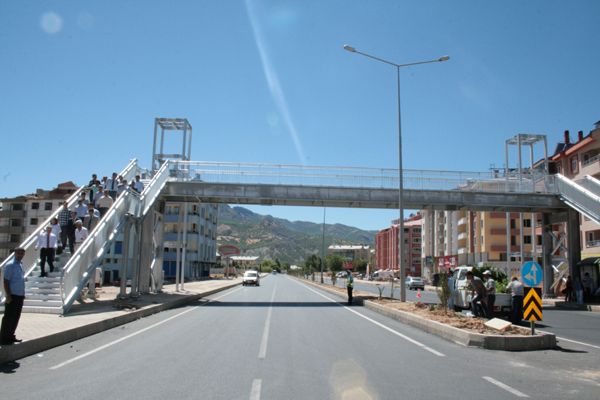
x=590, y=183
x=31, y=257
x=579, y=197
x=82, y=265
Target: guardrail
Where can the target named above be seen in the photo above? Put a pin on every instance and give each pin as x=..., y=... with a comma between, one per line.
x=379, y=178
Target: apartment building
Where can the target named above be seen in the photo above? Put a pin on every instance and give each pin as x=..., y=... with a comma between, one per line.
x=350, y=253
x=20, y=216
x=453, y=238
x=386, y=246
x=197, y=232
x=575, y=160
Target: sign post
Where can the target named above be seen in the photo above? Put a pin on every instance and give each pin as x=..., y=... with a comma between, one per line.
x=532, y=275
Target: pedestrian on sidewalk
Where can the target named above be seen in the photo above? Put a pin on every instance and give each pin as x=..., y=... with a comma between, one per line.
x=349, y=286
x=47, y=243
x=578, y=291
x=588, y=287
x=14, y=290
x=515, y=287
x=569, y=290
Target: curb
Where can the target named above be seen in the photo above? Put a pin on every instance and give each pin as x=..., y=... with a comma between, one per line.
x=34, y=346
x=542, y=341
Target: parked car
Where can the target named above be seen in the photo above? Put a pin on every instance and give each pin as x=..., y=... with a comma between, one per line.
x=251, y=278
x=414, y=283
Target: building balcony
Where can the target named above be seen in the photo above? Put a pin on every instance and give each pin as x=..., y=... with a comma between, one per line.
x=462, y=236
x=592, y=243
x=12, y=214
x=462, y=250
x=12, y=229
x=462, y=221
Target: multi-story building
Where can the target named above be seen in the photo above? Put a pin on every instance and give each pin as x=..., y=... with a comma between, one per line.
x=350, y=253
x=198, y=234
x=21, y=215
x=575, y=160
x=386, y=246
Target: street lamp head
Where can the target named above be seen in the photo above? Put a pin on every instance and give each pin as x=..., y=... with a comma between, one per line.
x=444, y=58
x=349, y=48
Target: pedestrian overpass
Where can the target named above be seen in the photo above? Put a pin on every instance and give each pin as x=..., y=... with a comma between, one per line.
x=139, y=217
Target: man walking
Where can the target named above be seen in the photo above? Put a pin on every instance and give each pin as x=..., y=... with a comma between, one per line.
x=47, y=244
x=67, y=230
x=14, y=289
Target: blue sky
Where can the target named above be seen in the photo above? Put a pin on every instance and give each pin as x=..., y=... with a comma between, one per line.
x=269, y=82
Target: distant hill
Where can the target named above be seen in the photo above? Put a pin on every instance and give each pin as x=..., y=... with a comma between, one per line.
x=276, y=238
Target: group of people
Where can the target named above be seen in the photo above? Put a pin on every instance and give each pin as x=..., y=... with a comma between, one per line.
x=72, y=226
x=580, y=290
x=484, y=296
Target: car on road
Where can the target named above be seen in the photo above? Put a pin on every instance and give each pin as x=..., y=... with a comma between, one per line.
x=251, y=278
x=414, y=283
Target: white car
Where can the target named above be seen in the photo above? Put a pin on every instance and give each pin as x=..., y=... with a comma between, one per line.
x=251, y=278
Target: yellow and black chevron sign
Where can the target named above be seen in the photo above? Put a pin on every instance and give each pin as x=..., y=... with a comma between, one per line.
x=532, y=304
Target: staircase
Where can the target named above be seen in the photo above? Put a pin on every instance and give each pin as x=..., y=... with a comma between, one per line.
x=43, y=295
x=583, y=196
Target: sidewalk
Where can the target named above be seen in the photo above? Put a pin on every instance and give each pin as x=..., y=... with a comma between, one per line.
x=43, y=331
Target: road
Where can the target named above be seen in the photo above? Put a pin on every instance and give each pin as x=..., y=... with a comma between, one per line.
x=288, y=340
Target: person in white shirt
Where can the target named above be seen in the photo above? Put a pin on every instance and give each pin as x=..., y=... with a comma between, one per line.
x=47, y=243
x=56, y=230
x=104, y=203
x=112, y=185
x=80, y=234
x=138, y=184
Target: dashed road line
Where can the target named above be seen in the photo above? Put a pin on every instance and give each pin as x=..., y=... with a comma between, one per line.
x=262, y=352
x=96, y=350
x=504, y=386
x=255, y=392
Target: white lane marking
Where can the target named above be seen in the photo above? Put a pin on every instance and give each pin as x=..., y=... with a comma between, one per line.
x=262, y=352
x=504, y=386
x=89, y=353
x=255, y=393
x=581, y=343
x=407, y=338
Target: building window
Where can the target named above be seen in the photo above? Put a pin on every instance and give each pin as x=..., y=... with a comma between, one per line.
x=574, y=165
x=15, y=222
x=539, y=240
x=513, y=224
x=33, y=221
x=15, y=238
x=527, y=239
x=513, y=240
x=527, y=223
x=35, y=206
x=48, y=206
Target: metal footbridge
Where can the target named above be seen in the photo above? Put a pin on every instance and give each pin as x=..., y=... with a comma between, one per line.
x=138, y=219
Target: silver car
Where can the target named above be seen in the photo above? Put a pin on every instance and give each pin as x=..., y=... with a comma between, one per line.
x=414, y=283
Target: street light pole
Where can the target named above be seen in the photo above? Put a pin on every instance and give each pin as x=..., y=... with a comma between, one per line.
x=323, y=245
x=401, y=264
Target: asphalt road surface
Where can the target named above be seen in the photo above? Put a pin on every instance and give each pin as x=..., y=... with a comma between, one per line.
x=288, y=340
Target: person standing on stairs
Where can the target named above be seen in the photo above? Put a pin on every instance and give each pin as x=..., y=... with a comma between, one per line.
x=47, y=243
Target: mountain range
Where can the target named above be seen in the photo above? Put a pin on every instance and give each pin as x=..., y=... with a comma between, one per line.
x=280, y=239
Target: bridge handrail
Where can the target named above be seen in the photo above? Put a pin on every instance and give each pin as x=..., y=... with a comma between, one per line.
x=31, y=255
x=370, y=177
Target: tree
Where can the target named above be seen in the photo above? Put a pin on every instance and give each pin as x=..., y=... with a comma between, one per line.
x=360, y=265
x=334, y=263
